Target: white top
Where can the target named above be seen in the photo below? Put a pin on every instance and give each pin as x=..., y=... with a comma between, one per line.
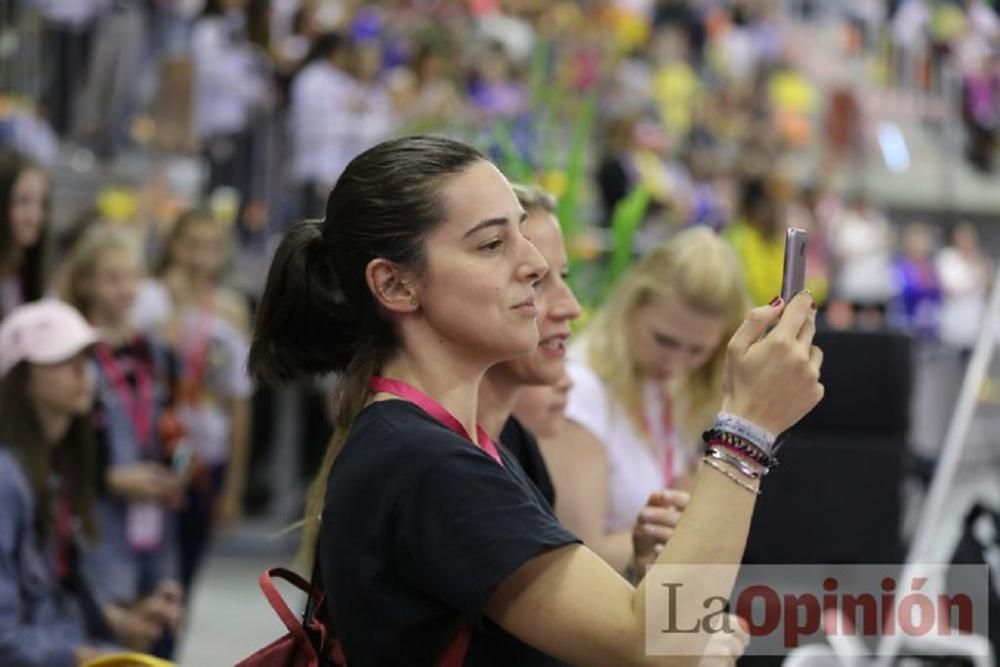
x=862, y=244
x=206, y=423
x=228, y=82
x=333, y=118
x=965, y=286
x=635, y=468
x=75, y=13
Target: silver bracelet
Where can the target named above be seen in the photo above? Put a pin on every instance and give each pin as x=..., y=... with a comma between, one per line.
x=731, y=476
x=740, y=464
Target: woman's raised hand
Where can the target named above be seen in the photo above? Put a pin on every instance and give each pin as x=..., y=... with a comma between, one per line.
x=772, y=377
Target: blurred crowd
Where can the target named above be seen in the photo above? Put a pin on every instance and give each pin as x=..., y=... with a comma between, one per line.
x=642, y=116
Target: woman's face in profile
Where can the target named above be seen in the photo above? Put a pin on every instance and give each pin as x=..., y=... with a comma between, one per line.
x=478, y=288
x=557, y=306
x=65, y=388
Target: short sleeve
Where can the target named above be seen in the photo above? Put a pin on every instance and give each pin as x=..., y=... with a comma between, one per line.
x=466, y=524
x=233, y=380
x=587, y=403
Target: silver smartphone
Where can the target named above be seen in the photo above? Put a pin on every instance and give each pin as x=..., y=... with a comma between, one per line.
x=793, y=279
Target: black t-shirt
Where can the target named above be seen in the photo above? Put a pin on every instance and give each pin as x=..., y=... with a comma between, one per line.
x=419, y=528
x=523, y=445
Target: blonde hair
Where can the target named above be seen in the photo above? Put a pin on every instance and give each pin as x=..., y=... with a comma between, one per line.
x=532, y=197
x=698, y=268
x=84, y=258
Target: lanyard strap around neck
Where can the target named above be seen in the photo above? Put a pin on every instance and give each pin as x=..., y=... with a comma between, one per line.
x=434, y=409
x=137, y=402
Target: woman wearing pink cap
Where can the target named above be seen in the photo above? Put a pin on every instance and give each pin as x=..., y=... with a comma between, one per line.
x=47, y=616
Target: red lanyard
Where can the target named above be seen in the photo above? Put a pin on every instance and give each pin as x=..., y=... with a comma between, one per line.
x=197, y=350
x=64, y=536
x=434, y=409
x=138, y=404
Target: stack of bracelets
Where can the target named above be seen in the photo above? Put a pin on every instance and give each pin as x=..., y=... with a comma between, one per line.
x=743, y=446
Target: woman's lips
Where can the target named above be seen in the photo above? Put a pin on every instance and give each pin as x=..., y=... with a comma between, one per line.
x=527, y=307
x=554, y=346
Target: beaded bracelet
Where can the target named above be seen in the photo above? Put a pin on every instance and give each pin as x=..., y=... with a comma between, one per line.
x=736, y=444
x=740, y=464
x=760, y=437
x=722, y=469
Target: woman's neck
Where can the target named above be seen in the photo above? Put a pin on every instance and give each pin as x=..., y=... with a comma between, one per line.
x=497, y=395
x=190, y=287
x=55, y=424
x=452, y=384
x=11, y=263
x=115, y=331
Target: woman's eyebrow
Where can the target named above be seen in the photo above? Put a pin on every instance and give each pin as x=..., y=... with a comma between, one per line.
x=484, y=224
x=493, y=222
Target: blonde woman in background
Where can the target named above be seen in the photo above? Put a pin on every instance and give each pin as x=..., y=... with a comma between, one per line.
x=206, y=324
x=137, y=491
x=647, y=379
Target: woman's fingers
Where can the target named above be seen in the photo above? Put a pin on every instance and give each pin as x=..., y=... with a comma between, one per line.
x=669, y=498
x=756, y=324
x=816, y=359
x=795, y=316
x=660, y=516
x=658, y=533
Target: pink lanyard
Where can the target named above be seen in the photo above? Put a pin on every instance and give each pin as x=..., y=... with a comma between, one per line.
x=434, y=409
x=138, y=404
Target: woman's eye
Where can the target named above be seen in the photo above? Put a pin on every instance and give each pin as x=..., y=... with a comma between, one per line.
x=492, y=245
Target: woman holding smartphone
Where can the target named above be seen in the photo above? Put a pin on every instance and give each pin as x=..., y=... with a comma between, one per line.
x=418, y=280
x=647, y=380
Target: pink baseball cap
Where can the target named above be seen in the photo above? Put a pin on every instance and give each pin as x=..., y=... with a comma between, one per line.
x=43, y=332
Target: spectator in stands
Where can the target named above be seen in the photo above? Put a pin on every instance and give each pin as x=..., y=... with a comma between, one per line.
x=980, y=99
x=138, y=493
x=647, y=377
x=206, y=325
x=918, y=305
x=48, y=614
x=965, y=280
x=862, y=245
x=24, y=202
x=230, y=84
x=759, y=240
x=339, y=107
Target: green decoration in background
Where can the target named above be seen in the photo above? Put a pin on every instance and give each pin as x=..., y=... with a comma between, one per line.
x=568, y=211
x=625, y=222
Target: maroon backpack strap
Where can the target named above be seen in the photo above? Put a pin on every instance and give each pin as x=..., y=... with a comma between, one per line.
x=277, y=603
x=454, y=652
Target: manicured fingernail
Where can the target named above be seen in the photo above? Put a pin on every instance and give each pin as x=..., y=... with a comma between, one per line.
x=775, y=302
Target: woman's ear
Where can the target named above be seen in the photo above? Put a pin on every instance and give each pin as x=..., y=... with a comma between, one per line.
x=392, y=286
